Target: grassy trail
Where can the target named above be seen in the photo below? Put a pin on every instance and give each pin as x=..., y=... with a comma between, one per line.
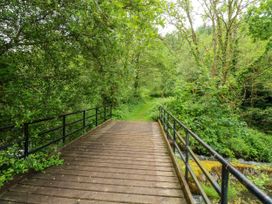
x=143, y=110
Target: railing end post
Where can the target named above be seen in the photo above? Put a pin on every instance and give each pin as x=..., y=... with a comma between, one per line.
x=224, y=185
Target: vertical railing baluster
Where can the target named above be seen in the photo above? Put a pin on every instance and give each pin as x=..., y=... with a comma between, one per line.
x=160, y=115
x=224, y=185
x=105, y=113
x=96, y=116
x=63, y=128
x=166, y=124
x=26, y=139
x=187, y=143
x=164, y=119
x=174, y=136
x=84, y=119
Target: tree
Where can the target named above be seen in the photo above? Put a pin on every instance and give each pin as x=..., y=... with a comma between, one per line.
x=60, y=56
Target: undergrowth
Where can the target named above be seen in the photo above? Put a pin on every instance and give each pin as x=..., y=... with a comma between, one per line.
x=12, y=166
x=140, y=110
x=221, y=127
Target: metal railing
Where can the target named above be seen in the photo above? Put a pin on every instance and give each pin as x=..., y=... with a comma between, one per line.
x=181, y=145
x=51, y=130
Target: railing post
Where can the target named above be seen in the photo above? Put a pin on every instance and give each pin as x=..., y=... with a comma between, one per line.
x=160, y=110
x=110, y=111
x=174, y=136
x=187, y=143
x=26, y=138
x=165, y=122
x=63, y=128
x=166, y=125
x=161, y=115
x=84, y=119
x=163, y=119
x=224, y=185
x=105, y=113
x=96, y=116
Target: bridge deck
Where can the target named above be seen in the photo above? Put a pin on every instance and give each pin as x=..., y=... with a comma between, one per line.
x=122, y=162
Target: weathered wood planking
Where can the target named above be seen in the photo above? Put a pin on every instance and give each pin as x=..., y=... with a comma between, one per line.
x=122, y=162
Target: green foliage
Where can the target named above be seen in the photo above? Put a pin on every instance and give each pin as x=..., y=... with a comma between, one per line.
x=58, y=56
x=259, y=20
x=142, y=110
x=220, y=126
x=124, y=109
x=211, y=193
x=11, y=166
x=223, y=91
x=261, y=180
x=256, y=78
x=260, y=118
x=62, y=56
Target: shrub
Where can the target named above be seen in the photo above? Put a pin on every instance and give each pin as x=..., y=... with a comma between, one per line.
x=11, y=166
x=220, y=126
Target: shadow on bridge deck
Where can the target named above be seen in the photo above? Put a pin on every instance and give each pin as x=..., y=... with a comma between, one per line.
x=120, y=162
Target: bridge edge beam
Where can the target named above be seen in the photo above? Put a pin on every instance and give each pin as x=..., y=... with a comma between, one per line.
x=183, y=183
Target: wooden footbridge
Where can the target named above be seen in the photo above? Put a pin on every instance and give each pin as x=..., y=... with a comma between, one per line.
x=119, y=162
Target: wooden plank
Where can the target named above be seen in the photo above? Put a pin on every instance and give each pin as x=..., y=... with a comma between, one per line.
x=92, y=195
x=91, y=157
x=117, y=154
x=119, y=165
x=122, y=162
x=124, y=147
x=121, y=152
x=109, y=181
x=111, y=175
x=31, y=198
x=103, y=187
x=116, y=149
x=119, y=170
x=116, y=161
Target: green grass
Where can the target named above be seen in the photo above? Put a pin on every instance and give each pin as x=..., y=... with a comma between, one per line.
x=143, y=110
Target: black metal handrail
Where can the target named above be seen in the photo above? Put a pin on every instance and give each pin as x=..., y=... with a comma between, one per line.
x=172, y=127
x=62, y=123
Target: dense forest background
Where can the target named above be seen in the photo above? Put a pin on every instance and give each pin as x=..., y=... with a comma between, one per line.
x=60, y=56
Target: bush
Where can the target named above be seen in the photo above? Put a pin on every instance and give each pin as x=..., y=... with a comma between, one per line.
x=11, y=166
x=221, y=127
x=259, y=118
